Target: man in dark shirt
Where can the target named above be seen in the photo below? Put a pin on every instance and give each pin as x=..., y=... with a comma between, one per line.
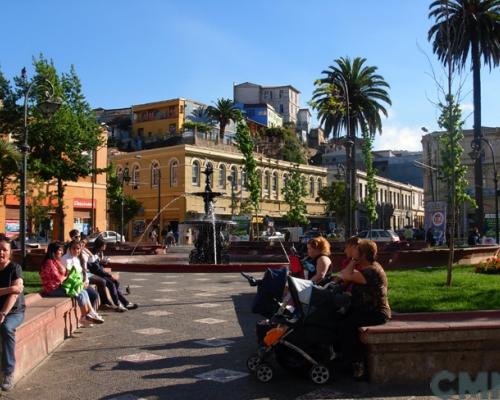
x=11, y=310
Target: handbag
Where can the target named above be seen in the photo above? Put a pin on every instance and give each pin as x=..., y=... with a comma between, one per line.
x=73, y=284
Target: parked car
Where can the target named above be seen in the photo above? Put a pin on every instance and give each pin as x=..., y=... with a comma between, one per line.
x=274, y=236
x=108, y=236
x=308, y=235
x=380, y=235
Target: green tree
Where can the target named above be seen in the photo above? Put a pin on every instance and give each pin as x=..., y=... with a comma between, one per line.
x=223, y=112
x=292, y=150
x=370, y=201
x=294, y=192
x=114, y=192
x=9, y=164
x=60, y=146
x=351, y=97
x=463, y=26
x=453, y=172
x=39, y=206
x=246, y=145
x=334, y=197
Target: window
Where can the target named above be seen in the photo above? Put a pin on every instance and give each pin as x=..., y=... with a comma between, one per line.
x=234, y=177
x=320, y=185
x=360, y=191
x=136, y=176
x=281, y=108
x=244, y=183
x=285, y=180
x=155, y=174
x=119, y=173
x=274, y=185
x=195, y=173
x=271, y=94
x=281, y=93
x=172, y=128
x=222, y=176
x=267, y=178
x=311, y=186
x=173, y=173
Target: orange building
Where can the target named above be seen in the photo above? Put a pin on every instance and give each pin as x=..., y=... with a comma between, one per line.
x=78, y=204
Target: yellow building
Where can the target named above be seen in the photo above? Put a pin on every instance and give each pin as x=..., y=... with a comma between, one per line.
x=165, y=178
x=158, y=119
x=78, y=205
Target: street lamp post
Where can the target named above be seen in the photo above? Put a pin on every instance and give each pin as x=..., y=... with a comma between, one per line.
x=50, y=105
x=476, y=154
x=125, y=179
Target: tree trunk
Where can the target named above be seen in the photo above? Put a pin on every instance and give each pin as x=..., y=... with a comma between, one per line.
x=222, y=127
x=478, y=168
x=347, y=217
x=60, y=208
x=353, y=185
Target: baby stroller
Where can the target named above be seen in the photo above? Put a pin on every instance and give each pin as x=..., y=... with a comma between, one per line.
x=300, y=334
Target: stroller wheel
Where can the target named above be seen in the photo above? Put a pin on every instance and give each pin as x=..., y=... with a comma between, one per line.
x=319, y=374
x=253, y=362
x=264, y=372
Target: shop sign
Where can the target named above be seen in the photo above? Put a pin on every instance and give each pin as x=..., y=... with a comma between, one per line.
x=83, y=203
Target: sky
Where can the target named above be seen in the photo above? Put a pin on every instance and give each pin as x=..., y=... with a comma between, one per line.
x=131, y=52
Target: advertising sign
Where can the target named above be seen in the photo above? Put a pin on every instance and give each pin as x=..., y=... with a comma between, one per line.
x=435, y=220
x=11, y=228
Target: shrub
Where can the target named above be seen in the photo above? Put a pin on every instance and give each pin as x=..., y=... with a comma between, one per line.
x=490, y=266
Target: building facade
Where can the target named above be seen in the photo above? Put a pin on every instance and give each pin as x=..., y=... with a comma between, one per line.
x=437, y=190
x=398, y=204
x=262, y=113
x=83, y=198
x=397, y=165
x=166, y=179
x=155, y=124
x=284, y=99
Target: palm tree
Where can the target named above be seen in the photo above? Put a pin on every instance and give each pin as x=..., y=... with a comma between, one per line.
x=9, y=163
x=351, y=97
x=224, y=112
x=473, y=25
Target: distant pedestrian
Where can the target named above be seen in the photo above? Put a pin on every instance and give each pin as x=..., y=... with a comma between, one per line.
x=474, y=237
x=154, y=235
x=429, y=237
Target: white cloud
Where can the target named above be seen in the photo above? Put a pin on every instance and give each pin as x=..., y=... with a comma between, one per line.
x=467, y=107
x=391, y=115
x=399, y=138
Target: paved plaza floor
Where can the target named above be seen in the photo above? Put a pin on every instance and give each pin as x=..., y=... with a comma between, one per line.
x=189, y=339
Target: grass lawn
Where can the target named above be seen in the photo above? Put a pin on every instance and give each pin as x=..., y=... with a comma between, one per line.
x=414, y=290
x=32, y=283
x=425, y=289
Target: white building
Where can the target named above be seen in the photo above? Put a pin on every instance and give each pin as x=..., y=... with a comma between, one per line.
x=285, y=99
x=398, y=204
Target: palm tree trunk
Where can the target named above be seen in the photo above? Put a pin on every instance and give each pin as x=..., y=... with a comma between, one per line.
x=221, y=132
x=347, y=217
x=353, y=184
x=478, y=168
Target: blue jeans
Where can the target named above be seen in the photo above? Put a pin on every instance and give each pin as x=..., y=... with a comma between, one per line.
x=8, y=331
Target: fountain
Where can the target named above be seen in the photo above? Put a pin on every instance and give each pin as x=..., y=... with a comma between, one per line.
x=210, y=244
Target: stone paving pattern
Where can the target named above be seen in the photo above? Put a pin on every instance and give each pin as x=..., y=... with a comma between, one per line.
x=191, y=345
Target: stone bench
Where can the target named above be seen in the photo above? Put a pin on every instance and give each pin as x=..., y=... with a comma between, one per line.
x=48, y=322
x=413, y=348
